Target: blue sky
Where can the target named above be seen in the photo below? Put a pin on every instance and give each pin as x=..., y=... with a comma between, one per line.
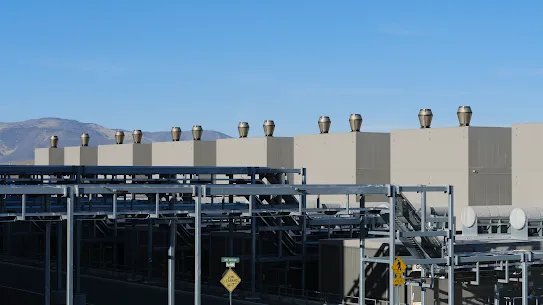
x=156, y=64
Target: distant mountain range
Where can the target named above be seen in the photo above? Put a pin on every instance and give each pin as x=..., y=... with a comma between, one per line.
x=19, y=139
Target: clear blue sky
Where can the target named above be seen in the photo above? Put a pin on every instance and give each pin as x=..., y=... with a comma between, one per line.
x=155, y=64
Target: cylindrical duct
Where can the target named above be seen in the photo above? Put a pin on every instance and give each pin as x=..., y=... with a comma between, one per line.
x=137, y=135
x=269, y=128
x=464, y=114
x=243, y=129
x=324, y=124
x=355, y=120
x=53, y=141
x=425, y=118
x=119, y=137
x=85, y=139
x=176, y=134
x=197, y=132
x=470, y=215
x=520, y=217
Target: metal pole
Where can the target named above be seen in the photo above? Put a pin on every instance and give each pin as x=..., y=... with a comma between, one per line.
x=197, y=245
x=253, y=238
x=171, y=263
x=392, y=243
x=451, y=245
x=524, y=279
x=150, y=250
x=230, y=298
x=60, y=242
x=78, y=224
x=47, y=268
x=423, y=228
x=362, y=278
x=303, y=204
x=70, y=247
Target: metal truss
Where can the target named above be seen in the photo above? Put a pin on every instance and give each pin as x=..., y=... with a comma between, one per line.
x=82, y=201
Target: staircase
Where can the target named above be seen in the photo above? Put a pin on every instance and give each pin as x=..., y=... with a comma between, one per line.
x=407, y=219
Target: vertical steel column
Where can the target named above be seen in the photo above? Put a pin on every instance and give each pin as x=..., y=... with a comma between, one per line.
x=392, y=243
x=78, y=224
x=70, y=247
x=134, y=250
x=230, y=235
x=47, y=268
x=60, y=242
x=171, y=262
x=451, y=245
x=304, y=232
x=253, y=237
x=362, y=277
x=23, y=207
x=423, y=228
x=524, y=279
x=197, y=244
x=150, y=250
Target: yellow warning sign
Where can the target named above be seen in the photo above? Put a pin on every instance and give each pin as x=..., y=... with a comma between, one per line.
x=399, y=266
x=399, y=281
x=230, y=280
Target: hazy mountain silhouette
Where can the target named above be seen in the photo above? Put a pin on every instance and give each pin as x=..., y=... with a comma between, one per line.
x=19, y=139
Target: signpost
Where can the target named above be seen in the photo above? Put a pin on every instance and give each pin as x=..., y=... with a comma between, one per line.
x=399, y=268
x=230, y=280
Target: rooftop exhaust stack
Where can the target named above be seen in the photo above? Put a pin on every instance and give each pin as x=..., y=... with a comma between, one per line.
x=425, y=118
x=85, y=139
x=197, y=132
x=176, y=134
x=243, y=129
x=119, y=137
x=269, y=128
x=137, y=135
x=53, y=140
x=324, y=124
x=464, y=115
x=355, y=120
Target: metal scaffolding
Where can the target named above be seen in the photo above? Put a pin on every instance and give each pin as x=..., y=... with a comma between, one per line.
x=204, y=195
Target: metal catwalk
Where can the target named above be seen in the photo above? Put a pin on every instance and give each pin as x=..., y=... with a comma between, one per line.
x=202, y=195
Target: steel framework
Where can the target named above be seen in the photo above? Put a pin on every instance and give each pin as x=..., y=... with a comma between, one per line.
x=188, y=195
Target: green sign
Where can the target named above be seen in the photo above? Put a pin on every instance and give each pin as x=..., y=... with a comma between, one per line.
x=234, y=260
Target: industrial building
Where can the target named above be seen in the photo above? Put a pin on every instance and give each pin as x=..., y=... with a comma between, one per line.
x=319, y=218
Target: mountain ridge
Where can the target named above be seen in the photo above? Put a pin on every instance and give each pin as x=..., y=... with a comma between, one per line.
x=19, y=139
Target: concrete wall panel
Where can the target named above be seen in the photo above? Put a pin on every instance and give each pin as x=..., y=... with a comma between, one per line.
x=81, y=155
x=49, y=156
x=527, y=163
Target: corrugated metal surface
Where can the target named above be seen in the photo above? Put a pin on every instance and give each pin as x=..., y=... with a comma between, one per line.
x=489, y=166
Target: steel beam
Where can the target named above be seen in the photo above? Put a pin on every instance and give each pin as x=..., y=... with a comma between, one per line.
x=70, y=249
x=197, y=249
x=293, y=189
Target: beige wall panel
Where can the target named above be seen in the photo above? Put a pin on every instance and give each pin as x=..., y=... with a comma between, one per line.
x=81, y=155
x=49, y=156
x=527, y=164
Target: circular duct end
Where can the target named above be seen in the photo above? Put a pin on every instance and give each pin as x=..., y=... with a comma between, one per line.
x=269, y=128
x=518, y=218
x=119, y=137
x=355, y=121
x=137, y=136
x=197, y=132
x=324, y=124
x=243, y=129
x=464, y=115
x=85, y=139
x=176, y=134
x=469, y=217
x=53, y=141
x=425, y=118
